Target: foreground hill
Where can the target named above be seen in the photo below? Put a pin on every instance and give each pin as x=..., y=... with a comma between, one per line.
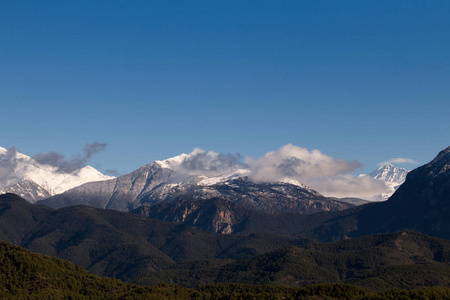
x=404, y=260
x=119, y=244
x=26, y=275
x=138, y=249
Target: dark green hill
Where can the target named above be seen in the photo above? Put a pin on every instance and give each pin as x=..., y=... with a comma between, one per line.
x=18, y=217
x=26, y=275
x=406, y=259
x=122, y=245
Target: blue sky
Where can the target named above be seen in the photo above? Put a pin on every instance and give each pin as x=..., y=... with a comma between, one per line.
x=364, y=80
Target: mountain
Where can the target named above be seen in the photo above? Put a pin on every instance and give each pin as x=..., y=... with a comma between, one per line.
x=24, y=176
x=392, y=176
x=170, y=180
x=223, y=216
x=421, y=203
x=215, y=215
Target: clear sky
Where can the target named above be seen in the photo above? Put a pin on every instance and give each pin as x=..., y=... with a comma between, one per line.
x=364, y=80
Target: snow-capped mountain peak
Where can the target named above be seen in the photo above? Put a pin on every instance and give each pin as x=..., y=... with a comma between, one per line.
x=389, y=173
x=22, y=175
x=391, y=176
x=172, y=163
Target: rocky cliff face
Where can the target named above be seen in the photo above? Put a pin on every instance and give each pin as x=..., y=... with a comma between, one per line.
x=215, y=215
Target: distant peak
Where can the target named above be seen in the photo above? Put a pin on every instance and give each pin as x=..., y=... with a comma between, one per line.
x=172, y=162
x=386, y=165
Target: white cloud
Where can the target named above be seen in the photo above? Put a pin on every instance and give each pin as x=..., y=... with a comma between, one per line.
x=211, y=163
x=293, y=162
x=399, y=160
x=327, y=175
x=341, y=186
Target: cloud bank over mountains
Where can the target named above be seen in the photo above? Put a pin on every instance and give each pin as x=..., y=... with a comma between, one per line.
x=328, y=175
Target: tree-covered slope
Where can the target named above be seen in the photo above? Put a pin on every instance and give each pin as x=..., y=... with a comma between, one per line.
x=119, y=244
x=404, y=260
x=18, y=217
x=27, y=275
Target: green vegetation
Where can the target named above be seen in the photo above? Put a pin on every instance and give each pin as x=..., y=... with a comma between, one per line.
x=400, y=260
x=26, y=275
x=203, y=265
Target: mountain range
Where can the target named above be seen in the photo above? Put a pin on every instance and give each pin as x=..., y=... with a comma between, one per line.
x=167, y=181
x=24, y=176
x=160, y=182
x=421, y=203
x=261, y=247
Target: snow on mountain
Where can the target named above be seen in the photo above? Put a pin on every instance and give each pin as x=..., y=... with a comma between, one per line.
x=22, y=175
x=199, y=175
x=389, y=173
x=392, y=176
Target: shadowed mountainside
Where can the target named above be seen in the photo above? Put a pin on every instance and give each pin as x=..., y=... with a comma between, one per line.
x=119, y=244
x=421, y=203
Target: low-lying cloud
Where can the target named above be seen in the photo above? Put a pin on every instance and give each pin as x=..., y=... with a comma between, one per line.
x=328, y=175
x=211, y=163
x=293, y=162
x=65, y=165
x=8, y=162
x=364, y=187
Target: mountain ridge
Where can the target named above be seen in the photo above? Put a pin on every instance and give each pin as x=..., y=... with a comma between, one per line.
x=156, y=182
x=23, y=175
